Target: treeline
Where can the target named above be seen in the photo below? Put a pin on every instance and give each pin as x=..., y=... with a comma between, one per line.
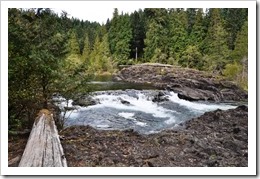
x=49, y=53
x=215, y=40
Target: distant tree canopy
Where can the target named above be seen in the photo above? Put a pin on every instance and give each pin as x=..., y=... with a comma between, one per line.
x=49, y=53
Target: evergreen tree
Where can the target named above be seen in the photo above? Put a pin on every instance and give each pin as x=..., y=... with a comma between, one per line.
x=178, y=34
x=241, y=45
x=107, y=25
x=73, y=43
x=113, y=31
x=197, y=34
x=234, y=19
x=138, y=30
x=238, y=70
x=191, y=16
x=87, y=50
x=120, y=36
x=100, y=58
x=47, y=49
x=48, y=53
x=192, y=58
x=73, y=59
x=215, y=44
x=122, y=52
x=156, y=41
x=36, y=48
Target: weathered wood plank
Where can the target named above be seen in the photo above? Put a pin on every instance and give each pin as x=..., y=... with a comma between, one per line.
x=43, y=148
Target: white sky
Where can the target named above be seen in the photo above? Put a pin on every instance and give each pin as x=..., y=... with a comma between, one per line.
x=94, y=14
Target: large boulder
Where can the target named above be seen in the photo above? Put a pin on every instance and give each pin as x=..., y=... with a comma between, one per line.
x=85, y=101
x=160, y=97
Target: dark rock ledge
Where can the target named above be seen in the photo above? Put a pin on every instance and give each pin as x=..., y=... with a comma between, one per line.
x=190, y=84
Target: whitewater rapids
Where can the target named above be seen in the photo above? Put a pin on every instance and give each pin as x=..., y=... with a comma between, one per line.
x=135, y=109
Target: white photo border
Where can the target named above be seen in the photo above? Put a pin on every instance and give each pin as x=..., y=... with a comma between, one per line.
x=250, y=170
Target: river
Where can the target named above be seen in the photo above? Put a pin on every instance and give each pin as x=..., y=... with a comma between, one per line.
x=122, y=106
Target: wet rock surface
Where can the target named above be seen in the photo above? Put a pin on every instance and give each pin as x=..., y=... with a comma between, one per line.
x=215, y=139
x=85, y=101
x=190, y=84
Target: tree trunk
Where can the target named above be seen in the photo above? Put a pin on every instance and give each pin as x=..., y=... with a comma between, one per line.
x=44, y=91
x=43, y=148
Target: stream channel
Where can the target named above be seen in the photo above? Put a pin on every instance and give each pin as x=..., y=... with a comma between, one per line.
x=141, y=107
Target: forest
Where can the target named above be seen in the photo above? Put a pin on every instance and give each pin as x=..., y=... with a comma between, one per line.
x=50, y=53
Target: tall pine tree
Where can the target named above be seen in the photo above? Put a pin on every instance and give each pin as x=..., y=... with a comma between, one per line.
x=234, y=19
x=198, y=30
x=120, y=36
x=138, y=30
x=215, y=43
x=100, y=58
x=156, y=41
x=178, y=33
x=86, y=50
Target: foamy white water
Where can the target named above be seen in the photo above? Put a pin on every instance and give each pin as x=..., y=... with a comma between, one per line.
x=142, y=104
x=131, y=116
x=127, y=115
x=198, y=106
x=122, y=110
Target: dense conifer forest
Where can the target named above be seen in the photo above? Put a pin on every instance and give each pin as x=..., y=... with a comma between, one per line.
x=50, y=53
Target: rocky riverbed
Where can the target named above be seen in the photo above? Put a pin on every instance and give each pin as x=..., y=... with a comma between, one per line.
x=190, y=84
x=215, y=139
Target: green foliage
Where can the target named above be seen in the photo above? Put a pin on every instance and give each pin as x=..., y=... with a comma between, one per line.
x=231, y=71
x=86, y=51
x=73, y=45
x=192, y=58
x=178, y=38
x=119, y=37
x=240, y=56
x=36, y=47
x=73, y=59
x=191, y=15
x=237, y=72
x=49, y=53
x=138, y=30
x=156, y=41
x=241, y=44
x=100, y=58
x=215, y=44
x=234, y=19
x=198, y=30
x=159, y=56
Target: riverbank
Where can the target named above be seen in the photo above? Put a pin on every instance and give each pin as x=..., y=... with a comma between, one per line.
x=190, y=84
x=215, y=139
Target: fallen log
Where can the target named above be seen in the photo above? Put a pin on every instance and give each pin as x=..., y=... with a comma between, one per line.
x=43, y=148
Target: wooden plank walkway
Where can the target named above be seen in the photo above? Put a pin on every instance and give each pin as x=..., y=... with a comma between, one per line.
x=43, y=148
